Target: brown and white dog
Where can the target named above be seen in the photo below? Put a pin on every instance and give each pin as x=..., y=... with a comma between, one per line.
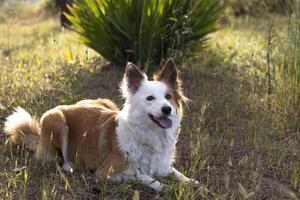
x=137, y=142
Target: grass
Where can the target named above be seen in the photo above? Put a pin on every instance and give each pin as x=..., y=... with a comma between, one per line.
x=235, y=139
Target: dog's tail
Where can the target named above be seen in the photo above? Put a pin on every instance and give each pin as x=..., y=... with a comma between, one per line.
x=22, y=129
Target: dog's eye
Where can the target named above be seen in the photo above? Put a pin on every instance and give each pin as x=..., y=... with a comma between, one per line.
x=150, y=98
x=168, y=96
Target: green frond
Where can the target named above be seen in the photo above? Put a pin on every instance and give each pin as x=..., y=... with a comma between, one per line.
x=144, y=31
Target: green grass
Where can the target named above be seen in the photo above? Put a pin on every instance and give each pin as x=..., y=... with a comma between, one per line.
x=235, y=139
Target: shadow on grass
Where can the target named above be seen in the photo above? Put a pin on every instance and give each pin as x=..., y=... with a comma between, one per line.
x=99, y=80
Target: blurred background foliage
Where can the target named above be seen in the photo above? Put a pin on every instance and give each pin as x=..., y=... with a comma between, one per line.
x=146, y=32
x=258, y=7
x=176, y=33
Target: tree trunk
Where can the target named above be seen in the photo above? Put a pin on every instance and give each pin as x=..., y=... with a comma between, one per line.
x=64, y=9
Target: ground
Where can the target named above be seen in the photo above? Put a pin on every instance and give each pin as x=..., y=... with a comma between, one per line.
x=234, y=138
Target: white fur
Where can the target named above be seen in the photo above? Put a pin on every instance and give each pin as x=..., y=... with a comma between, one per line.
x=68, y=165
x=149, y=148
x=18, y=118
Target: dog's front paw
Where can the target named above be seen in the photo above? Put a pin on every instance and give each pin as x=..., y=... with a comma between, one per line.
x=68, y=167
x=193, y=182
x=196, y=183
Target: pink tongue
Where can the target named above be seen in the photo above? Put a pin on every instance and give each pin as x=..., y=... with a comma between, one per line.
x=164, y=122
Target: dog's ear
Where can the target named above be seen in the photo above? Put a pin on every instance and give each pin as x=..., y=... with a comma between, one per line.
x=168, y=74
x=132, y=79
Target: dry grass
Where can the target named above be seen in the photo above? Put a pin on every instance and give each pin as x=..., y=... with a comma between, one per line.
x=231, y=140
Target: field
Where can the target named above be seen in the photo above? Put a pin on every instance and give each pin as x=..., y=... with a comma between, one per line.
x=238, y=138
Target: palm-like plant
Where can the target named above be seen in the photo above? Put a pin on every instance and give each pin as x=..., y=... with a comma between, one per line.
x=144, y=31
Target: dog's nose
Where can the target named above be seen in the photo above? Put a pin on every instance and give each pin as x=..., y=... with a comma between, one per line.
x=166, y=110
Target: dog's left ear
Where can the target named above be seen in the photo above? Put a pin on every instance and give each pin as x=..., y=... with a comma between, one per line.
x=168, y=74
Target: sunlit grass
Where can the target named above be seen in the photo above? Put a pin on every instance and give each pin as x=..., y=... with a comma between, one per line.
x=232, y=140
x=34, y=55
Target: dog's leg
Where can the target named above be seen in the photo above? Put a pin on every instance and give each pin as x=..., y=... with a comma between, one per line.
x=52, y=125
x=180, y=177
x=150, y=182
x=67, y=166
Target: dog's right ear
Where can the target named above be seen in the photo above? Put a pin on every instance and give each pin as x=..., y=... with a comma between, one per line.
x=132, y=79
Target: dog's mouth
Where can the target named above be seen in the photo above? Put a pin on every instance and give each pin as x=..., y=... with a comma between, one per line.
x=163, y=122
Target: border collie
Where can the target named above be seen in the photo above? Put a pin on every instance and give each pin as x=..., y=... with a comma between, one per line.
x=137, y=142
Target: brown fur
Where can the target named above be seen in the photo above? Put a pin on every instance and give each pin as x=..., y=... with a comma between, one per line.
x=90, y=126
x=100, y=102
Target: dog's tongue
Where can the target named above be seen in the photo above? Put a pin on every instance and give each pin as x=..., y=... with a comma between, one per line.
x=164, y=122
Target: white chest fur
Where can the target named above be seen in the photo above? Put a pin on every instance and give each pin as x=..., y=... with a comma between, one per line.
x=150, y=150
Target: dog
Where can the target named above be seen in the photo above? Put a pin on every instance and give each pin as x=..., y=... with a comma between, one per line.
x=136, y=142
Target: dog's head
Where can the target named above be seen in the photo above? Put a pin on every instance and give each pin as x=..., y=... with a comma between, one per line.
x=156, y=102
